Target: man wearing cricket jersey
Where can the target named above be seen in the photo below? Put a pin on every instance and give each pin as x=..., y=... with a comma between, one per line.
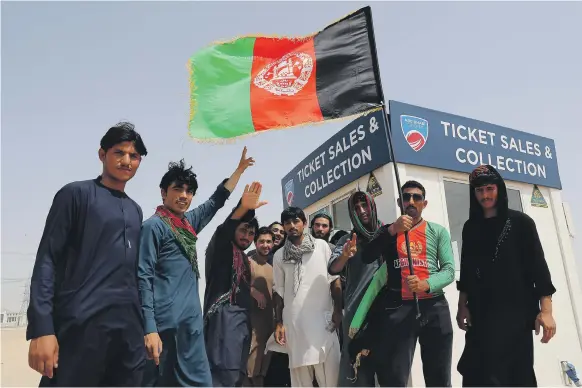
x=432, y=258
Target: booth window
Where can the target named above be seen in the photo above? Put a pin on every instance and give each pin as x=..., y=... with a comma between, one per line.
x=341, y=215
x=457, y=199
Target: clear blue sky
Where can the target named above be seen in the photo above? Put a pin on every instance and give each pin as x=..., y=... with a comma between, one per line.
x=70, y=70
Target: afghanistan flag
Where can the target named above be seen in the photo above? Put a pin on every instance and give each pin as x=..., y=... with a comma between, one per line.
x=259, y=83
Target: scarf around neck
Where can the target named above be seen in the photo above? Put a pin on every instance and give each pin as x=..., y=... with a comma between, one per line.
x=294, y=255
x=184, y=234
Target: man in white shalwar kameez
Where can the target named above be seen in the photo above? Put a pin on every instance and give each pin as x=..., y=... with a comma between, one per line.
x=308, y=306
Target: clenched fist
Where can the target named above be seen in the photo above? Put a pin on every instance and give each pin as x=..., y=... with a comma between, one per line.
x=402, y=224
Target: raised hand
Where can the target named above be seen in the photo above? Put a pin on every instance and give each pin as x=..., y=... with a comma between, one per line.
x=251, y=196
x=245, y=162
x=350, y=247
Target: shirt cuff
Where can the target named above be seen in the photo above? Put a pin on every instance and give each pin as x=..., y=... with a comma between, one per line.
x=39, y=327
x=150, y=326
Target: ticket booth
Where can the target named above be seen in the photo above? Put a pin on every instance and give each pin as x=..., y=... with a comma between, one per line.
x=440, y=150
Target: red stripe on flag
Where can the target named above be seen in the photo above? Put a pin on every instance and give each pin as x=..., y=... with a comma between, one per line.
x=283, y=83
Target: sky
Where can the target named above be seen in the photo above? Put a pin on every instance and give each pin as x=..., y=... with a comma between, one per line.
x=71, y=70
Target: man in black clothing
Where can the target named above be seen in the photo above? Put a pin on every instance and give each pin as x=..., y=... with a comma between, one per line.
x=358, y=274
x=227, y=299
x=84, y=317
x=505, y=288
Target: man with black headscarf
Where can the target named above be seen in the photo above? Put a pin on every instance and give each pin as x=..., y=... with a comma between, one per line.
x=505, y=288
x=358, y=274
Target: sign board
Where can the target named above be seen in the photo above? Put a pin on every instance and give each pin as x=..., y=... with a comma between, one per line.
x=537, y=198
x=374, y=188
x=426, y=137
x=354, y=151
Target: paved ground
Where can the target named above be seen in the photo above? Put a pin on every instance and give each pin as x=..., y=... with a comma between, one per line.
x=15, y=371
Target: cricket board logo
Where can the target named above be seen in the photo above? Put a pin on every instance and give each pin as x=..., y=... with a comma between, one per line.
x=289, y=192
x=415, y=131
x=287, y=75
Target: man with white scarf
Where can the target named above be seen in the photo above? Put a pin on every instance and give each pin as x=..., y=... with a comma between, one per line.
x=308, y=304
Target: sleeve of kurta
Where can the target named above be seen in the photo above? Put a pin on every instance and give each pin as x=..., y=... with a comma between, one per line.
x=203, y=214
x=327, y=251
x=382, y=244
x=536, y=260
x=278, y=276
x=446, y=272
x=336, y=253
x=462, y=282
x=59, y=223
x=149, y=248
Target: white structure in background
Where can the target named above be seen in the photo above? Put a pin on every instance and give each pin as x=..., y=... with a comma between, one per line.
x=12, y=319
x=439, y=150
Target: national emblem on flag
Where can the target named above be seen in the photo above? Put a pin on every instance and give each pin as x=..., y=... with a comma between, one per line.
x=259, y=83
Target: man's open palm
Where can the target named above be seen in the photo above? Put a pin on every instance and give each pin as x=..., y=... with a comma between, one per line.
x=251, y=196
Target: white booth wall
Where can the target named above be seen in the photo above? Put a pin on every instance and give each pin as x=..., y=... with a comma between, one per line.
x=554, y=234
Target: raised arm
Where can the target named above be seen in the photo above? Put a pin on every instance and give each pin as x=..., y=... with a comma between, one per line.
x=201, y=216
x=384, y=243
x=245, y=211
x=345, y=249
x=379, y=245
x=243, y=164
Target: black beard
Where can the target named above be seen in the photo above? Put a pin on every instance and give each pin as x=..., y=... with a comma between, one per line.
x=241, y=248
x=324, y=238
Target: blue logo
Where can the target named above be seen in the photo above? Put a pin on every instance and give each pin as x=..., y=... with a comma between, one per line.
x=415, y=131
x=289, y=192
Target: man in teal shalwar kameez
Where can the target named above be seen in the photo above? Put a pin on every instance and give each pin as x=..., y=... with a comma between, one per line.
x=168, y=277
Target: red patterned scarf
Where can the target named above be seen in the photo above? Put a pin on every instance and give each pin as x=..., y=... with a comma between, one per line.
x=184, y=233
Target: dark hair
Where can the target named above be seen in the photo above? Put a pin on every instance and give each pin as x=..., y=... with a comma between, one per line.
x=292, y=213
x=322, y=215
x=275, y=223
x=253, y=223
x=414, y=185
x=123, y=132
x=264, y=230
x=336, y=236
x=180, y=175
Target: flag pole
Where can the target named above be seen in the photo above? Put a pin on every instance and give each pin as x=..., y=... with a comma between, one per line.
x=388, y=132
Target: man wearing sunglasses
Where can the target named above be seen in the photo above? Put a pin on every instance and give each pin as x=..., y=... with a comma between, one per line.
x=434, y=269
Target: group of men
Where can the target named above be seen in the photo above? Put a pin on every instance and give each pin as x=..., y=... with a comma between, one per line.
x=114, y=300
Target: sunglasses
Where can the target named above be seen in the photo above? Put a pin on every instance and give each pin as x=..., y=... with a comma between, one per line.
x=417, y=197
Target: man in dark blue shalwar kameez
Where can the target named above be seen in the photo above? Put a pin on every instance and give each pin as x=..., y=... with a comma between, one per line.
x=84, y=317
x=168, y=279
x=227, y=299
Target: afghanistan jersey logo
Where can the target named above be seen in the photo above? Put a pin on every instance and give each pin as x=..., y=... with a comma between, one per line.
x=286, y=76
x=415, y=131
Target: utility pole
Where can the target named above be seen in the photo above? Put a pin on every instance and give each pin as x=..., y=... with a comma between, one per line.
x=22, y=318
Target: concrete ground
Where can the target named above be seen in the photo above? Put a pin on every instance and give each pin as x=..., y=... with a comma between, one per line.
x=14, y=359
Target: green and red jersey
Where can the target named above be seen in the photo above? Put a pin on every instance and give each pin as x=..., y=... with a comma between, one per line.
x=432, y=258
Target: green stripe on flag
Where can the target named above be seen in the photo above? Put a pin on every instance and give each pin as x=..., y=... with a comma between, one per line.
x=220, y=82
